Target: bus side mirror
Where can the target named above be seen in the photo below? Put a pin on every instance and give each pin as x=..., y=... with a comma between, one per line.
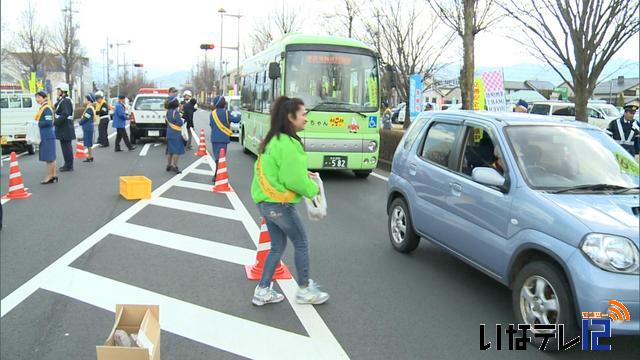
x=274, y=70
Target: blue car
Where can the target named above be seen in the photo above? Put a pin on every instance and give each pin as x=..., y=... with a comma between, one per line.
x=546, y=207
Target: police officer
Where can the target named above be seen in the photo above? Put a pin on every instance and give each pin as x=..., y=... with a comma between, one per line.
x=63, y=124
x=188, y=109
x=220, y=121
x=120, y=123
x=521, y=106
x=625, y=129
x=102, y=110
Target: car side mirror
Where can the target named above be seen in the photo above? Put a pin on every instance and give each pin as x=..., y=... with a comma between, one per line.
x=488, y=176
x=274, y=70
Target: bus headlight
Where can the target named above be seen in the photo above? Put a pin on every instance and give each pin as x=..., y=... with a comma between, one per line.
x=372, y=146
x=611, y=253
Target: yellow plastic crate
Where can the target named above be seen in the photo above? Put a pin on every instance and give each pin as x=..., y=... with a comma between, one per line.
x=135, y=187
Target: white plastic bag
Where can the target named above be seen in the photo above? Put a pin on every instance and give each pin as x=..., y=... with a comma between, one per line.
x=33, y=132
x=317, y=207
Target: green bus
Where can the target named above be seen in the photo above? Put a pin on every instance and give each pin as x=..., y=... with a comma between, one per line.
x=337, y=78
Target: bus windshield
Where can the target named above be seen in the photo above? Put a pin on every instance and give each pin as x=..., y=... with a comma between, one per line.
x=333, y=81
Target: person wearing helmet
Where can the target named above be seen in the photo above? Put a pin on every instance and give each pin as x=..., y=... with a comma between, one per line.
x=220, y=122
x=63, y=123
x=189, y=107
x=86, y=122
x=102, y=112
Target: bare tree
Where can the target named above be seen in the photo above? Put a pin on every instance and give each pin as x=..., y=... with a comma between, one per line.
x=407, y=40
x=467, y=18
x=67, y=44
x=202, y=77
x=581, y=36
x=30, y=42
x=279, y=23
x=344, y=17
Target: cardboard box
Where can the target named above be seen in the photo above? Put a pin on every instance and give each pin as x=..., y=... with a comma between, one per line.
x=135, y=187
x=134, y=319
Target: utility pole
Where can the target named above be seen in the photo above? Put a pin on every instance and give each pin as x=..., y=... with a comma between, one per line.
x=108, y=70
x=222, y=11
x=69, y=46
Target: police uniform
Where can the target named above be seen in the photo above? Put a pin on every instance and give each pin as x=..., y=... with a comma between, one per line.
x=64, y=129
x=625, y=132
x=102, y=110
x=47, y=148
x=87, y=125
x=220, y=122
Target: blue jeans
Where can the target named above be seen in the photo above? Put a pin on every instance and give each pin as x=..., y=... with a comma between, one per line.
x=284, y=221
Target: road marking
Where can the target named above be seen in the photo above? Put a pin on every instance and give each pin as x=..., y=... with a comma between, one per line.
x=108, y=137
x=379, y=176
x=182, y=318
x=6, y=157
x=145, y=149
x=156, y=144
x=202, y=172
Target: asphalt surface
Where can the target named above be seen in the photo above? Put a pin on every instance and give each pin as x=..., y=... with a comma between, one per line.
x=384, y=305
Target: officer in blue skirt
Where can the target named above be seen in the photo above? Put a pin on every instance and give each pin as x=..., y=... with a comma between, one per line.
x=220, y=123
x=87, y=123
x=175, y=143
x=47, y=148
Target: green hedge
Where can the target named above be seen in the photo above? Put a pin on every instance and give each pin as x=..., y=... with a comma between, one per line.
x=389, y=140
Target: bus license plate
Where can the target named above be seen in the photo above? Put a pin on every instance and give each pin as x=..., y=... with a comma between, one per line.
x=335, y=162
x=153, y=132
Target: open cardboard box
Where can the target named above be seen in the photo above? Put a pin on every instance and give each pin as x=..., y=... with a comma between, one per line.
x=134, y=319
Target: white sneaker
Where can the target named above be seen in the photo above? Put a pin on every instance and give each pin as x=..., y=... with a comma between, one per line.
x=263, y=296
x=311, y=294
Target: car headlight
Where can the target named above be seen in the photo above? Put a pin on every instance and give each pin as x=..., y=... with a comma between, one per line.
x=612, y=253
x=372, y=146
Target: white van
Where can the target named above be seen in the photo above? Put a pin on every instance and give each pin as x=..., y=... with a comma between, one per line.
x=148, y=116
x=16, y=109
x=600, y=114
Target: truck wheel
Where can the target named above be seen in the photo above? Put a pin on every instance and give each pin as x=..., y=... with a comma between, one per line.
x=132, y=137
x=31, y=149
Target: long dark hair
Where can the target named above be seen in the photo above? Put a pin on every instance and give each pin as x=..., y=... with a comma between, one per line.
x=280, y=124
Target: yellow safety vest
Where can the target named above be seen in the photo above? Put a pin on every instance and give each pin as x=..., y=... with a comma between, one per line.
x=270, y=191
x=219, y=124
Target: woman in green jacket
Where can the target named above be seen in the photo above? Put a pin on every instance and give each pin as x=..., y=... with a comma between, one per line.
x=280, y=181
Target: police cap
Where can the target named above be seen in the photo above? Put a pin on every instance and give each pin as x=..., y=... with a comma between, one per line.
x=631, y=108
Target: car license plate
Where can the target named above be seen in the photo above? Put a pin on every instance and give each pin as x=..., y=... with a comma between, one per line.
x=335, y=162
x=4, y=141
x=153, y=133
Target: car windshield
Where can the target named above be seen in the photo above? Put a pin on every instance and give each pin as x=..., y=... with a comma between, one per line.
x=150, y=103
x=333, y=80
x=558, y=157
x=610, y=111
x=234, y=105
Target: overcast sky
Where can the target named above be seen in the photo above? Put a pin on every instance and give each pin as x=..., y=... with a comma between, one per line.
x=166, y=35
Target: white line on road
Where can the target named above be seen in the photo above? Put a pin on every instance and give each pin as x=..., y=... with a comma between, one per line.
x=145, y=149
x=156, y=144
x=196, y=208
x=202, y=172
x=6, y=157
x=379, y=176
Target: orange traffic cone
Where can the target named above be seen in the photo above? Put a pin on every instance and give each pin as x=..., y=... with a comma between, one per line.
x=202, y=148
x=16, y=187
x=222, y=180
x=254, y=272
x=81, y=152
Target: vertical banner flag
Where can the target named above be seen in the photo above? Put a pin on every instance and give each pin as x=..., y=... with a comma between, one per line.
x=32, y=83
x=494, y=91
x=415, y=95
x=478, y=94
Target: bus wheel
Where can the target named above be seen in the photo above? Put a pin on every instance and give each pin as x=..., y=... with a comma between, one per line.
x=244, y=148
x=362, y=174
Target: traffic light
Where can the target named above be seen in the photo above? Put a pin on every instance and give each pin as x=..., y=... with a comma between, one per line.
x=207, y=46
x=138, y=65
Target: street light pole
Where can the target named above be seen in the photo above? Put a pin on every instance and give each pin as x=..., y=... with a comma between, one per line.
x=221, y=11
x=118, y=63
x=108, y=69
x=237, y=47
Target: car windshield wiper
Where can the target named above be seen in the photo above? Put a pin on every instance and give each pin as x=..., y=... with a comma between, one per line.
x=621, y=191
x=592, y=187
x=345, y=106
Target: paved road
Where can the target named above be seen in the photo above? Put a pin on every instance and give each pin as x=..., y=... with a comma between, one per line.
x=75, y=248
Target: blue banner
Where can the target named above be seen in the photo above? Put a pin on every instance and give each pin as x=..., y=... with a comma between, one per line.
x=415, y=95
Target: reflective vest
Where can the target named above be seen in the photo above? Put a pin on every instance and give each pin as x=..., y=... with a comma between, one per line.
x=629, y=140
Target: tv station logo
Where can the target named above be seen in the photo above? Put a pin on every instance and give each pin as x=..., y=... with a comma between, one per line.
x=595, y=326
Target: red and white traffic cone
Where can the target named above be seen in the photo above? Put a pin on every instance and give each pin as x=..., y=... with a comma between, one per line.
x=81, y=152
x=202, y=148
x=16, y=187
x=254, y=272
x=222, y=179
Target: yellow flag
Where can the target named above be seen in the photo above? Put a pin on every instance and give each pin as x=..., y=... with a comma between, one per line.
x=478, y=94
x=32, y=83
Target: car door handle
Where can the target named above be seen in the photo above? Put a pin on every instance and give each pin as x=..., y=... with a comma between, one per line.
x=456, y=189
x=413, y=168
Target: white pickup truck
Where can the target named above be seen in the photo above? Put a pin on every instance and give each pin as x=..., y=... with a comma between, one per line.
x=16, y=109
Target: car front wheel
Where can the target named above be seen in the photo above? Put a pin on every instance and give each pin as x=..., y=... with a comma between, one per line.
x=541, y=295
x=403, y=238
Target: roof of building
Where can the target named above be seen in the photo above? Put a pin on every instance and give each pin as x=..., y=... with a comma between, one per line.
x=615, y=86
x=539, y=85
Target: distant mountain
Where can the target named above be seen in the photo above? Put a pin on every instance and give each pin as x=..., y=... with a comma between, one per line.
x=174, y=79
x=522, y=72
x=163, y=78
